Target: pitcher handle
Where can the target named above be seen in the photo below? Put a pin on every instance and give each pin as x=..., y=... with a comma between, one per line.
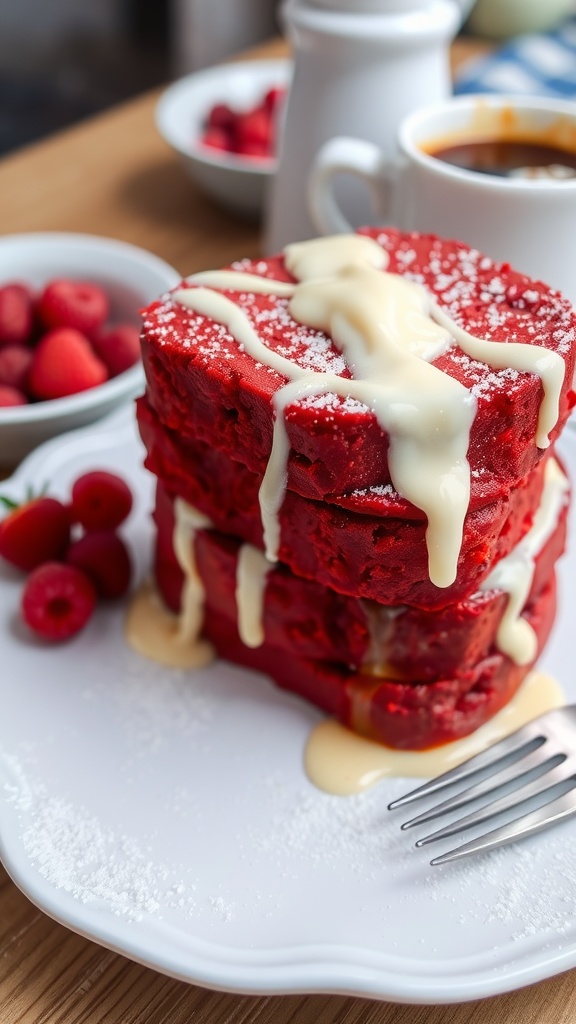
x=352, y=156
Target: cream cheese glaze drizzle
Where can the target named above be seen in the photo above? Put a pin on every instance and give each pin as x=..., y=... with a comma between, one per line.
x=251, y=572
x=388, y=329
x=187, y=521
x=514, y=573
x=175, y=640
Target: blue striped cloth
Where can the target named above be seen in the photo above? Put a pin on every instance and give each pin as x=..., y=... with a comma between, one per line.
x=541, y=65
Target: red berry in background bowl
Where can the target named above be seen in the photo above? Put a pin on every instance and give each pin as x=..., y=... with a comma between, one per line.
x=118, y=348
x=15, y=363
x=100, y=500
x=78, y=304
x=16, y=314
x=36, y=532
x=222, y=117
x=11, y=397
x=254, y=131
x=104, y=557
x=274, y=98
x=64, y=363
x=57, y=601
x=250, y=133
x=217, y=138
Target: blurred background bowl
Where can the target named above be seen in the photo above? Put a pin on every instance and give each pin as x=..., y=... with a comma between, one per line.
x=130, y=276
x=238, y=183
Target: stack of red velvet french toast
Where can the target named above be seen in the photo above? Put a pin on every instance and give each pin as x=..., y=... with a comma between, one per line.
x=364, y=427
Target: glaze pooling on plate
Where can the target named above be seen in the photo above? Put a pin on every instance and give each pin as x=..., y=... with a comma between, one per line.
x=151, y=629
x=339, y=761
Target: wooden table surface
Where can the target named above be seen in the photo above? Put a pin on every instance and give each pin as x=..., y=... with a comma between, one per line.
x=114, y=176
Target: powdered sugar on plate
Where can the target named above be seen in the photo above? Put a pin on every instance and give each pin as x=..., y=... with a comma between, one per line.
x=75, y=853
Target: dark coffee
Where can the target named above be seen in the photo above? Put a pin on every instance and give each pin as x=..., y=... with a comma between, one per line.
x=506, y=158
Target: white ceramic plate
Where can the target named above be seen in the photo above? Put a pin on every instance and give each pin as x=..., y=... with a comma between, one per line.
x=167, y=816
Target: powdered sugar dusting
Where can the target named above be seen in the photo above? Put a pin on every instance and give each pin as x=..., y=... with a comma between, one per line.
x=490, y=301
x=73, y=852
x=485, y=299
x=326, y=832
x=528, y=886
x=155, y=705
x=344, y=850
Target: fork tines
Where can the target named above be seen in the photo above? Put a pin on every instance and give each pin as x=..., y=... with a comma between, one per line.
x=534, y=762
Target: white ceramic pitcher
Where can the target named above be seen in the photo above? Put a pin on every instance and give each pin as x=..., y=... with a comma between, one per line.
x=360, y=67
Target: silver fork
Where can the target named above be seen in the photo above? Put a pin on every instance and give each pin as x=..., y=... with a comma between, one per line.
x=538, y=760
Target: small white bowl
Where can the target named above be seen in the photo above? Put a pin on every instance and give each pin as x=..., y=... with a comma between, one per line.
x=238, y=183
x=131, y=278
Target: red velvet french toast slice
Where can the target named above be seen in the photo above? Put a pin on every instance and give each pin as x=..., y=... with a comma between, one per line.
x=441, y=675
x=310, y=621
x=206, y=386
x=360, y=548
x=405, y=714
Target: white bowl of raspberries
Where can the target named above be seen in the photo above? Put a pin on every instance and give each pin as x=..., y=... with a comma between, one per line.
x=223, y=124
x=69, y=332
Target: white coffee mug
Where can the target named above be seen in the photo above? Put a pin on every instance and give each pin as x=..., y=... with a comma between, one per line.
x=530, y=223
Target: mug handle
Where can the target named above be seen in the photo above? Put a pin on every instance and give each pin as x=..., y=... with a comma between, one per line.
x=353, y=156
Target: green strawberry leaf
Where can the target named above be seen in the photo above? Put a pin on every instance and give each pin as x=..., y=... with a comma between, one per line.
x=31, y=495
x=8, y=503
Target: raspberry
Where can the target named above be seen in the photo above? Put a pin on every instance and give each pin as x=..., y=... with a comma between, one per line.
x=37, y=532
x=251, y=133
x=63, y=364
x=11, y=396
x=258, y=149
x=76, y=304
x=118, y=348
x=273, y=98
x=57, y=601
x=16, y=314
x=254, y=133
x=221, y=117
x=15, y=362
x=217, y=139
x=100, y=500
x=104, y=557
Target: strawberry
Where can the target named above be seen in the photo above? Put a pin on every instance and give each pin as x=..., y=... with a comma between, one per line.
x=104, y=557
x=100, y=500
x=16, y=314
x=11, y=396
x=64, y=363
x=15, y=362
x=57, y=601
x=118, y=348
x=76, y=304
x=36, y=532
